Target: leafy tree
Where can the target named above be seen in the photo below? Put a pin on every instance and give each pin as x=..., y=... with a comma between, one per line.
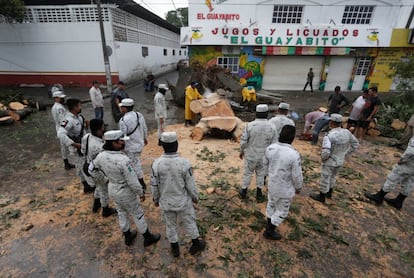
x=398, y=105
x=12, y=10
x=178, y=17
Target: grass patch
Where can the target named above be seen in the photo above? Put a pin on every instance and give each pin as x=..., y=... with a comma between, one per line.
x=350, y=174
x=207, y=155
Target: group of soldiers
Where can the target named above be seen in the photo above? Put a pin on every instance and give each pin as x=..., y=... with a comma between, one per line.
x=266, y=149
x=108, y=164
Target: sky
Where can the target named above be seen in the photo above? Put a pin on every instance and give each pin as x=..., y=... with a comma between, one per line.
x=161, y=7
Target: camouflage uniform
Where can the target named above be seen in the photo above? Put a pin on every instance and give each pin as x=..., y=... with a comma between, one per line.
x=283, y=166
x=99, y=180
x=135, y=145
x=279, y=121
x=160, y=108
x=58, y=114
x=123, y=187
x=257, y=136
x=173, y=187
x=335, y=146
x=403, y=172
x=71, y=131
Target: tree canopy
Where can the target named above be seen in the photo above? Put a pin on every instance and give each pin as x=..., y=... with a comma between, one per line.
x=178, y=17
x=12, y=10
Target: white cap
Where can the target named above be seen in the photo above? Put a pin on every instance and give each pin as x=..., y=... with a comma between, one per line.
x=336, y=118
x=323, y=109
x=262, y=108
x=168, y=137
x=284, y=105
x=59, y=94
x=163, y=86
x=114, y=135
x=127, y=102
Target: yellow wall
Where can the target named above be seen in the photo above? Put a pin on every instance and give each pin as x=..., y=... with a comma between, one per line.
x=380, y=76
x=399, y=38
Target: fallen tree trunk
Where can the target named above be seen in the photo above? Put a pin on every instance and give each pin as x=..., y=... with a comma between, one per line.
x=212, y=106
x=20, y=114
x=233, y=125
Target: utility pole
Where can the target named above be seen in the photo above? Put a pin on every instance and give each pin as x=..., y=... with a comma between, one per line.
x=104, y=49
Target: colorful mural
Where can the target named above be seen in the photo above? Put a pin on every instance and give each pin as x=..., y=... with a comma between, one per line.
x=251, y=68
x=205, y=55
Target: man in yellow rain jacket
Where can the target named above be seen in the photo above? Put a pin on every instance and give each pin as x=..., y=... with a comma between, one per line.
x=191, y=93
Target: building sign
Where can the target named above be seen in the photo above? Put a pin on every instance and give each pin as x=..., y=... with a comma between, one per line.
x=327, y=36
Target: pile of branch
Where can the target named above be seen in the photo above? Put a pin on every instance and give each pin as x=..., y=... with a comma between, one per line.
x=15, y=108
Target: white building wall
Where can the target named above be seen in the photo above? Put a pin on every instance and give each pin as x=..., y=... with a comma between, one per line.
x=53, y=47
x=66, y=41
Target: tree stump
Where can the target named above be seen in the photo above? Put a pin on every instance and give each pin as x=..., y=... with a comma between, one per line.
x=15, y=105
x=233, y=125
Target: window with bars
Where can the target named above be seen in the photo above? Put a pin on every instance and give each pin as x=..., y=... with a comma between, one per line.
x=231, y=63
x=363, y=66
x=290, y=14
x=357, y=14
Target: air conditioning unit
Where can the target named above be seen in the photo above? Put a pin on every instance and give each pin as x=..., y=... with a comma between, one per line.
x=411, y=37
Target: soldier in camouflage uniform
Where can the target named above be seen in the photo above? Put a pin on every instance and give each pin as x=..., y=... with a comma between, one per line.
x=123, y=186
x=133, y=125
x=281, y=119
x=174, y=190
x=70, y=134
x=257, y=136
x=283, y=165
x=58, y=114
x=91, y=146
x=335, y=146
x=403, y=174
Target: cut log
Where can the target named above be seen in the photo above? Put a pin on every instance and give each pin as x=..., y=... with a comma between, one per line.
x=3, y=107
x=15, y=105
x=228, y=124
x=198, y=132
x=238, y=131
x=373, y=132
x=7, y=120
x=212, y=106
x=397, y=124
x=20, y=114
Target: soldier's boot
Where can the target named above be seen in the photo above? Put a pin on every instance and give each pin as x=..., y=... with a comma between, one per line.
x=378, y=197
x=319, y=197
x=259, y=196
x=130, y=236
x=270, y=231
x=175, y=249
x=243, y=193
x=397, y=202
x=159, y=142
x=87, y=188
x=150, y=238
x=68, y=166
x=96, y=205
x=107, y=211
x=197, y=246
x=329, y=194
x=142, y=182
